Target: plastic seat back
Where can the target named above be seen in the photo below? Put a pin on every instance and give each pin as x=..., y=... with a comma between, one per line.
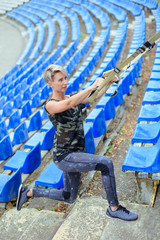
x=20, y=134
x=3, y=129
x=9, y=186
x=5, y=148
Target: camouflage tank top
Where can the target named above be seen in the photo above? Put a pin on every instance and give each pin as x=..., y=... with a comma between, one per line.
x=69, y=133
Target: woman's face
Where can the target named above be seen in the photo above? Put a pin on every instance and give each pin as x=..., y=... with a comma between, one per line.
x=59, y=83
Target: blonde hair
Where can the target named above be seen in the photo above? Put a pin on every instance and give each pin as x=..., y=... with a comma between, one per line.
x=51, y=70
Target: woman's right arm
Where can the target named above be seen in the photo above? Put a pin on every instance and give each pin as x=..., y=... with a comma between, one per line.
x=60, y=106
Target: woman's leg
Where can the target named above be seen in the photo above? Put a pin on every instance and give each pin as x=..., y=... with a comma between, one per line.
x=69, y=194
x=71, y=183
x=83, y=162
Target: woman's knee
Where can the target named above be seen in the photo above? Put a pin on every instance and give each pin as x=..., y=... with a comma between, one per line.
x=68, y=197
x=106, y=167
x=71, y=200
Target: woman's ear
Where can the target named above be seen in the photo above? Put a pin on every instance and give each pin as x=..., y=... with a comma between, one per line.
x=50, y=83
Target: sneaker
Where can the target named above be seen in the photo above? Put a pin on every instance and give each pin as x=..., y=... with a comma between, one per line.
x=22, y=196
x=121, y=213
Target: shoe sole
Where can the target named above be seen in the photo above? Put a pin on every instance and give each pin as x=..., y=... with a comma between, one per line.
x=120, y=219
x=18, y=197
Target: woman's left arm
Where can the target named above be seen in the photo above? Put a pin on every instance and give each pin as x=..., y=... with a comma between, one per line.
x=103, y=90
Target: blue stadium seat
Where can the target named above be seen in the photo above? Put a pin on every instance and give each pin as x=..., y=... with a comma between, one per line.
x=20, y=134
x=45, y=139
x=11, y=86
x=156, y=68
x=27, y=161
x=3, y=129
x=44, y=114
x=42, y=82
x=5, y=148
x=10, y=95
x=34, y=122
x=89, y=139
x=25, y=110
x=17, y=102
x=7, y=109
x=155, y=76
x=125, y=83
x=151, y=98
x=149, y=113
x=14, y=120
x=107, y=103
x=48, y=125
x=34, y=87
x=4, y=91
x=2, y=101
x=9, y=185
x=17, y=89
x=31, y=78
x=143, y=159
x=156, y=61
x=118, y=98
x=26, y=94
x=146, y=133
x=50, y=177
x=118, y=12
x=151, y=4
x=96, y=119
x=36, y=100
x=23, y=84
x=153, y=86
x=45, y=92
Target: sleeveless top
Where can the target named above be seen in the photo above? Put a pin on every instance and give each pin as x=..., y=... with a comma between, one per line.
x=69, y=133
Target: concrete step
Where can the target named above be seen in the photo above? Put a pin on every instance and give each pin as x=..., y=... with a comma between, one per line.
x=87, y=220
x=29, y=223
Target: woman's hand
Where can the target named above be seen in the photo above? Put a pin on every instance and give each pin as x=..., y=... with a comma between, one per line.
x=114, y=80
x=100, y=80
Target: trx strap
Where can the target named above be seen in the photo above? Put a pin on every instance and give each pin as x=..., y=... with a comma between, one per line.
x=108, y=75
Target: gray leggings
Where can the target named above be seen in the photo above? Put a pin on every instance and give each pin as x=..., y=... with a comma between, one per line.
x=72, y=166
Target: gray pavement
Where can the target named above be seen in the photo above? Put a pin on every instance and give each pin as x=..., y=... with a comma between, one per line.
x=86, y=220
x=12, y=43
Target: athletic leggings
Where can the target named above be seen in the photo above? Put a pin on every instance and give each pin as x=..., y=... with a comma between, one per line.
x=72, y=166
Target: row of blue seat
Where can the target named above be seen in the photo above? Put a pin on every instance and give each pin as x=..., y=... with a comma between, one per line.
x=45, y=137
x=19, y=101
x=98, y=12
x=147, y=131
x=118, y=13
x=131, y=7
x=31, y=32
x=59, y=18
x=151, y=4
x=22, y=161
x=33, y=123
x=87, y=18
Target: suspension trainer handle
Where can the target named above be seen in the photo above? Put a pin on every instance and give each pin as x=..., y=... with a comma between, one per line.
x=108, y=75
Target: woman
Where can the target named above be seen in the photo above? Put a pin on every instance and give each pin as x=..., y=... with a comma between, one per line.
x=65, y=113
